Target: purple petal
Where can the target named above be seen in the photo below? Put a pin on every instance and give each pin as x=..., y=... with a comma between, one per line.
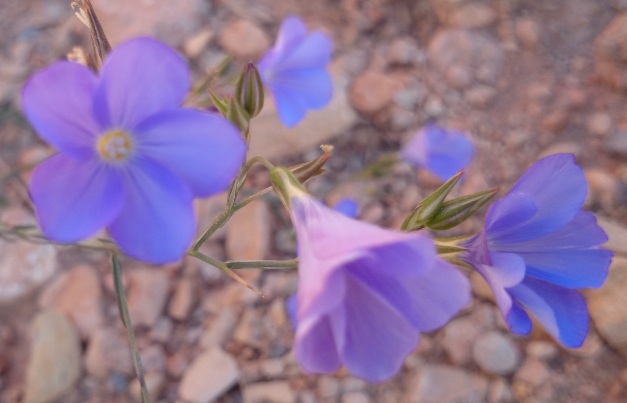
x=139, y=79
x=58, y=103
x=447, y=152
x=314, y=51
x=506, y=270
x=315, y=347
x=74, y=199
x=415, y=151
x=291, y=307
x=376, y=338
x=518, y=320
x=157, y=222
x=561, y=311
x=291, y=33
x=347, y=206
x=203, y=149
x=506, y=216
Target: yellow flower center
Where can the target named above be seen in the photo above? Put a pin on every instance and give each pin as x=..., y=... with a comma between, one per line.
x=115, y=146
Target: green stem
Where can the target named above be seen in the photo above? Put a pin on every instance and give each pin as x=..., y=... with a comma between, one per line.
x=126, y=319
x=262, y=264
x=32, y=234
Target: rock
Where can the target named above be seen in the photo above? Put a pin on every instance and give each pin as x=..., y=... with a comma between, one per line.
x=443, y=384
x=23, y=266
x=198, y=42
x=183, y=299
x=600, y=124
x=249, y=330
x=329, y=387
x=356, y=397
x=464, y=14
x=616, y=143
x=244, y=40
x=266, y=392
x=610, y=53
x=608, y=306
x=480, y=96
x=78, y=294
x=154, y=358
x=532, y=372
x=147, y=295
x=500, y=392
x=162, y=330
x=617, y=235
x=155, y=384
x=54, y=365
x=220, y=329
x=563, y=147
x=249, y=232
x=108, y=351
x=208, y=376
x=465, y=57
x=542, y=350
x=403, y=51
x=496, y=354
x=372, y=91
x=271, y=139
x=528, y=32
x=459, y=336
x=601, y=188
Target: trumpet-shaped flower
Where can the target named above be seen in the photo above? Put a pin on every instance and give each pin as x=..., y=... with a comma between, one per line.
x=294, y=71
x=538, y=247
x=442, y=152
x=130, y=158
x=365, y=293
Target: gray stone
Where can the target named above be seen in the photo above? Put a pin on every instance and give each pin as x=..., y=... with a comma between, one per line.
x=220, y=329
x=608, y=306
x=610, y=52
x=183, y=299
x=459, y=336
x=208, y=376
x=78, y=294
x=443, y=384
x=496, y=354
x=269, y=392
x=54, y=365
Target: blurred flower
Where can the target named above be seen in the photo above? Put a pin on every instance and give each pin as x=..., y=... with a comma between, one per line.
x=442, y=152
x=347, y=206
x=295, y=71
x=131, y=159
x=537, y=247
x=365, y=293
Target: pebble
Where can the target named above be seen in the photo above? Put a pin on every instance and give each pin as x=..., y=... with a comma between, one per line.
x=356, y=397
x=275, y=392
x=78, y=294
x=599, y=124
x=444, y=384
x=532, y=372
x=496, y=354
x=328, y=387
x=154, y=358
x=601, y=189
x=54, y=365
x=403, y=51
x=156, y=383
x=616, y=143
x=543, y=350
x=616, y=233
x=220, y=329
x=480, y=96
x=372, y=91
x=108, y=351
x=464, y=14
x=244, y=40
x=610, y=52
x=209, y=375
x=500, y=392
x=528, y=32
x=608, y=306
x=197, y=43
x=459, y=336
x=183, y=299
x=147, y=295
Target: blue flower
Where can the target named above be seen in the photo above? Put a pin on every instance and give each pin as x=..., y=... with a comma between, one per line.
x=130, y=158
x=295, y=71
x=538, y=247
x=442, y=152
x=365, y=293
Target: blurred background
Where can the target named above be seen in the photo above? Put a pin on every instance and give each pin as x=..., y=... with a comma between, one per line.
x=523, y=78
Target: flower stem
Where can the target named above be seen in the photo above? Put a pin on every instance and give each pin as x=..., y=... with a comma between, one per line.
x=126, y=319
x=32, y=234
x=262, y=264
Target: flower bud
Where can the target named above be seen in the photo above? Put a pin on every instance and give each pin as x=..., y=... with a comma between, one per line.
x=456, y=211
x=249, y=90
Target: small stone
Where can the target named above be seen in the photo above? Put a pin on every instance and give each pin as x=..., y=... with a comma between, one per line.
x=616, y=143
x=108, y=351
x=155, y=385
x=249, y=330
x=220, y=330
x=601, y=188
x=616, y=233
x=54, y=365
x=356, y=397
x=599, y=124
x=608, y=306
x=210, y=375
x=154, y=358
x=532, y=372
x=147, y=295
x=328, y=387
x=500, y=392
x=496, y=354
x=162, y=330
x=372, y=91
x=464, y=14
x=78, y=294
x=403, y=51
x=183, y=299
x=198, y=43
x=564, y=147
x=459, y=336
x=275, y=392
x=542, y=350
x=244, y=39
x=555, y=121
x=610, y=52
x=443, y=384
x=480, y=96
x=528, y=32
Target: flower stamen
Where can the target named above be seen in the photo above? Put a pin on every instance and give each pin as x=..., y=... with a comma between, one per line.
x=115, y=146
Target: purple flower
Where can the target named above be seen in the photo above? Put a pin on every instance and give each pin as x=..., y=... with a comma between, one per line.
x=537, y=247
x=442, y=152
x=365, y=293
x=131, y=159
x=295, y=71
x=347, y=206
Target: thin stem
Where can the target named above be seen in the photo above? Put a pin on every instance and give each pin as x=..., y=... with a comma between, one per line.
x=126, y=319
x=241, y=177
x=262, y=264
x=32, y=234
x=225, y=269
x=215, y=225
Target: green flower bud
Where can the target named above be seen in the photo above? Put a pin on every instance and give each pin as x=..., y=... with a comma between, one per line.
x=249, y=90
x=456, y=211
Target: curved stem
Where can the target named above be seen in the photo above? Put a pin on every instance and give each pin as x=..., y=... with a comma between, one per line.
x=262, y=264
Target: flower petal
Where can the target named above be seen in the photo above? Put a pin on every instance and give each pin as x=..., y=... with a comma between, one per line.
x=561, y=311
x=518, y=320
x=74, y=199
x=58, y=102
x=139, y=79
x=157, y=222
x=203, y=149
x=314, y=51
x=347, y=206
x=377, y=338
x=506, y=270
x=447, y=152
x=292, y=31
x=315, y=347
x=506, y=216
